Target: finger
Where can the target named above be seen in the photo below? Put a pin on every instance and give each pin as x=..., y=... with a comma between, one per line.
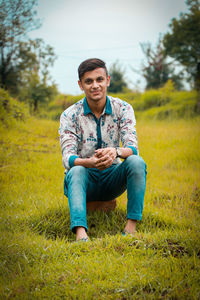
x=104, y=159
x=104, y=163
x=103, y=167
x=98, y=153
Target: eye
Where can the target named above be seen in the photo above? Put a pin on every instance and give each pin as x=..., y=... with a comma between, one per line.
x=99, y=79
x=88, y=81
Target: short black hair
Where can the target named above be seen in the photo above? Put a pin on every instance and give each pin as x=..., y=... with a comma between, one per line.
x=90, y=65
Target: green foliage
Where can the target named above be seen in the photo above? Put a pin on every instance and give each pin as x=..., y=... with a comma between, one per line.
x=17, y=18
x=154, y=98
x=38, y=256
x=65, y=101
x=117, y=82
x=58, y=105
x=182, y=43
x=11, y=110
x=179, y=105
x=37, y=92
x=157, y=71
x=128, y=96
x=36, y=87
x=171, y=111
x=163, y=103
x=24, y=63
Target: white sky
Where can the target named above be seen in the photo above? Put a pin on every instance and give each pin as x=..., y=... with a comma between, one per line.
x=108, y=29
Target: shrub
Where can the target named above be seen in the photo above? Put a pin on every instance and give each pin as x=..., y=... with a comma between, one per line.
x=129, y=97
x=182, y=105
x=11, y=110
x=58, y=105
x=154, y=98
x=163, y=103
x=65, y=101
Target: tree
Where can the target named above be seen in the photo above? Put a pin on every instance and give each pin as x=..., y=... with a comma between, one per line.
x=17, y=17
x=183, y=42
x=38, y=91
x=34, y=74
x=23, y=60
x=117, y=82
x=157, y=71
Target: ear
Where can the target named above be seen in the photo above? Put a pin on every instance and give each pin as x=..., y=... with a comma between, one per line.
x=108, y=80
x=80, y=85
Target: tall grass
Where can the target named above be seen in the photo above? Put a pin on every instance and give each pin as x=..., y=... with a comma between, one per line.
x=164, y=103
x=38, y=256
x=58, y=105
x=11, y=110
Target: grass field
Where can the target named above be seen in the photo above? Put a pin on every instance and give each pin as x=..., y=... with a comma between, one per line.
x=38, y=256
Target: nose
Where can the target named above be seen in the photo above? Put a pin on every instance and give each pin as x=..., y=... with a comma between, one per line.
x=95, y=84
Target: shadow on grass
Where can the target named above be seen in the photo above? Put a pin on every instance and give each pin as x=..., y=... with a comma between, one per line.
x=56, y=223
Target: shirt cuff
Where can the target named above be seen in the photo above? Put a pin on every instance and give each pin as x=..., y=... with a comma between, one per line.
x=133, y=149
x=72, y=159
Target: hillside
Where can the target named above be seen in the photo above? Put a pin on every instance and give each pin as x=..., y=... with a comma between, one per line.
x=165, y=103
x=39, y=258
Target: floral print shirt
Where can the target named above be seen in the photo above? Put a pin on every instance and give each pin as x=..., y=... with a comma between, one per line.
x=81, y=133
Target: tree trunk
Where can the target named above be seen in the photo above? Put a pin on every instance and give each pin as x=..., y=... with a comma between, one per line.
x=197, y=78
x=197, y=86
x=35, y=105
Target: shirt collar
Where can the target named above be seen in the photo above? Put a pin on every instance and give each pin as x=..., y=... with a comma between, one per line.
x=107, y=109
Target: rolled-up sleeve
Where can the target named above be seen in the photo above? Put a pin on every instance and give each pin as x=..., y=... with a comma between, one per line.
x=128, y=133
x=68, y=140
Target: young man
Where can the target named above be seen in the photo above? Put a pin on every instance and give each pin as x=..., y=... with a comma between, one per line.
x=90, y=135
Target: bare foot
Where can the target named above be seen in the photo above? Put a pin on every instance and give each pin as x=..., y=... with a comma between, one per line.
x=81, y=233
x=130, y=226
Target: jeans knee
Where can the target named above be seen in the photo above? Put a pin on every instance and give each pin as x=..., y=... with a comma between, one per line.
x=76, y=176
x=136, y=163
x=77, y=171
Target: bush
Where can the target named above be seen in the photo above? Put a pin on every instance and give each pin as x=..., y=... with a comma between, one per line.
x=65, y=101
x=128, y=97
x=154, y=98
x=11, y=110
x=181, y=105
x=58, y=105
x=163, y=103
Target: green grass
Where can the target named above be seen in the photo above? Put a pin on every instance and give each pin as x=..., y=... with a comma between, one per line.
x=164, y=103
x=38, y=256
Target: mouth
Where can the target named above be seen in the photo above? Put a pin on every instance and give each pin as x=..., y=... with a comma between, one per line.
x=96, y=92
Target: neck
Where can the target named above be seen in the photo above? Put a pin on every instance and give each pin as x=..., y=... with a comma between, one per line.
x=97, y=107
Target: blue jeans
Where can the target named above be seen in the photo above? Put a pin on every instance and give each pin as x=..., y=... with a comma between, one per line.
x=82, y=185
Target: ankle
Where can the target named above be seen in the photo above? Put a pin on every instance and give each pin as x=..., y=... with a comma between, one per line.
x=130, y=226
x=80, y=233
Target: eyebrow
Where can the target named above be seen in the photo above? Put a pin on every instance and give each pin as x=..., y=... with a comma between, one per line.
x=91, y=79
x=88, y=80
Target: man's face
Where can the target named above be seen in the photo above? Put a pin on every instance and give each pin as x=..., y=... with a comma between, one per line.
x=94, y=84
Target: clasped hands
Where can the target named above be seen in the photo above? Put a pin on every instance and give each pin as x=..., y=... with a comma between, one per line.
x=103, y=158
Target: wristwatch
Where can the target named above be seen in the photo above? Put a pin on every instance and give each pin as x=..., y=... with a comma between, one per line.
x=119, y=152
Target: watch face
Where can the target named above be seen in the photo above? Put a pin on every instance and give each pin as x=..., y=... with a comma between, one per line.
x=119, y=152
